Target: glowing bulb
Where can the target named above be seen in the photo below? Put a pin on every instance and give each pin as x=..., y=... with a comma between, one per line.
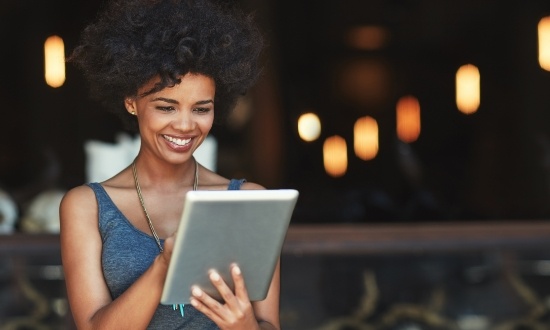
x=468, y=88
x=335, y=156
x=54, y=61
x=365, y=138
x=309, y=127
x=408, y=119
x=544, y=43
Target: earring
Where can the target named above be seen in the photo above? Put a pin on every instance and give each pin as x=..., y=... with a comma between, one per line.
x=133, y=113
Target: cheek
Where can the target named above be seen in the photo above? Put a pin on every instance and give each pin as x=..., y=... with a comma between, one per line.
x=207, y=122
x=151, y=122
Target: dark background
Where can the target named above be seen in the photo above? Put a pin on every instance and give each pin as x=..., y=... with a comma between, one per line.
x=494, y=164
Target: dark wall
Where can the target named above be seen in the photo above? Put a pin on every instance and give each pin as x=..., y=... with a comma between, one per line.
x=490, y=165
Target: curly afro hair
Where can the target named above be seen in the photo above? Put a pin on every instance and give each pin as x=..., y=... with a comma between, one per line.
x=134, y=41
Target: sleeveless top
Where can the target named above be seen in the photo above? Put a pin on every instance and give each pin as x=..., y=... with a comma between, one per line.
x=128, y=252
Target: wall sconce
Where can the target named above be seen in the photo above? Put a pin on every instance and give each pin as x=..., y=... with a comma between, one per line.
x=54, y=61
x=335, y=156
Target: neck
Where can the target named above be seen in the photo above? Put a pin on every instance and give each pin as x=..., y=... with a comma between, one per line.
x=167, y=177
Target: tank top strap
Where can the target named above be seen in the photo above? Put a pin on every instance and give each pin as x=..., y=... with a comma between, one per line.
x=235, y=184
x=99, y=192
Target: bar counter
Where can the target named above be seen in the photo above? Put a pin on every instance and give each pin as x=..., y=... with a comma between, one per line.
x=362, y=238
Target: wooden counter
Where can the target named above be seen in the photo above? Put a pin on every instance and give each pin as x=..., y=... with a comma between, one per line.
x=362, y=238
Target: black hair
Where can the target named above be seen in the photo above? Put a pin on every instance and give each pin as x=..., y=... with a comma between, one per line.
x=133, y=41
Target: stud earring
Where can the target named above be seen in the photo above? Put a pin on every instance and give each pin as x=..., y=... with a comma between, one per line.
x=133, y=113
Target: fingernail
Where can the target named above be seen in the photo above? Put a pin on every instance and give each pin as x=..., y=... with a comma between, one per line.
x=236, y=270
x=196, y=292
x=214, y=276
x=193, y=302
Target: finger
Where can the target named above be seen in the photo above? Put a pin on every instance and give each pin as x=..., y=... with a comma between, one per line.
x=206, y=304
x=169, y=244
x=201, y=307
x=168, y=248
x=225, y=292
x=240, y=287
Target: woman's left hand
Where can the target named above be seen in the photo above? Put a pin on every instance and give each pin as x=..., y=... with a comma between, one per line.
x=236, y=312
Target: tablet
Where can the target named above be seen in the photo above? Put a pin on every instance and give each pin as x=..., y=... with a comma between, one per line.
x=222, y=227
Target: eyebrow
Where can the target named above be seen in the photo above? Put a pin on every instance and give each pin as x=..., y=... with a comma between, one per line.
x=172, y=101
x=205, y=102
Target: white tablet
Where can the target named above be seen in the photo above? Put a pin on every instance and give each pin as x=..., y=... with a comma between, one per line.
x=222, y=227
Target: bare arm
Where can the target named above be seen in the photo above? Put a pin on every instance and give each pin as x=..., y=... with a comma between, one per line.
x=267, y=310
x=89, y=297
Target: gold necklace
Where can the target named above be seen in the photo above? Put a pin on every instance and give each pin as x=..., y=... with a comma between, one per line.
x=138, y=189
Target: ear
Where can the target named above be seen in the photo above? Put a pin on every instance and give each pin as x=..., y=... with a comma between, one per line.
x=130, y=104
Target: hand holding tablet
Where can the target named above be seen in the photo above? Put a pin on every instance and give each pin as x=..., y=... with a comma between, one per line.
x=224, y=227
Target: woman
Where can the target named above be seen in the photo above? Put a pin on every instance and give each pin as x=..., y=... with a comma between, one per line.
x=167, y=66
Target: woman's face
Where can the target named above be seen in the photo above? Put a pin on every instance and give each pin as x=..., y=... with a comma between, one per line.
x=175, y=121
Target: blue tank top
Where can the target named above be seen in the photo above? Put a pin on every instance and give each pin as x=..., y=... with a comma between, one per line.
x=128, y=252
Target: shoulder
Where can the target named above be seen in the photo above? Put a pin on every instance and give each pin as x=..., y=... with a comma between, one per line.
x=79, y=197
x=79, y=193
x=78, y=212
x=213, y=180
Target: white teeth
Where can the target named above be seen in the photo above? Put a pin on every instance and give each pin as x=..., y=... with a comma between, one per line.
x=179, y=142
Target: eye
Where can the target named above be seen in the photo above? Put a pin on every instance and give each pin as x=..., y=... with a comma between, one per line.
x=202, y=110
x=165, y=108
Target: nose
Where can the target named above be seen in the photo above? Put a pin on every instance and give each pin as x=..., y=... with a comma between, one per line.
x=184, y=121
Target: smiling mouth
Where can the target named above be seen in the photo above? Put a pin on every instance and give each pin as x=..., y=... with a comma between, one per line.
x=179, y=142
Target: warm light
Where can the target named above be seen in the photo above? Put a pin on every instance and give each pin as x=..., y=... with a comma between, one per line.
x=467, y=88
x=363, y=82
x=408, y=119
x=367, y=37
x=365, y=138
x=54, y=61
x=544, y=43
x=309, y=127
x=335, y=156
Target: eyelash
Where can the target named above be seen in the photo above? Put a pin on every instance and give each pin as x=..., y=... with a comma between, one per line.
x=202, y=110
x=166, y=109
x=199, y=110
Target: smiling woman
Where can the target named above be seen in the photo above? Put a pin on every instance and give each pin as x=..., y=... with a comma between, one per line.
x=168, y=68
x=342, y=61
x=176, y=120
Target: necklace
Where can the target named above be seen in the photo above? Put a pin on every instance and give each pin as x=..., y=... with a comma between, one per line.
x=138, y=189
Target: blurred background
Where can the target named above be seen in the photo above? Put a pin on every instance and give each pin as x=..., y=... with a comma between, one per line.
x=345, y=62
x=397, y=113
